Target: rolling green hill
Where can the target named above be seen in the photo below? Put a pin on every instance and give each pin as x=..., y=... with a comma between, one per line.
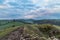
x=35, y=30
x=40, y=29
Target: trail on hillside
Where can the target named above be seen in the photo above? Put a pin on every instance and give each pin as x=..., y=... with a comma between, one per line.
x=19, y=34
x=30, y=33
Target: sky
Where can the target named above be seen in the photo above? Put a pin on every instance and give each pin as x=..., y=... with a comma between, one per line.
x=29, y=9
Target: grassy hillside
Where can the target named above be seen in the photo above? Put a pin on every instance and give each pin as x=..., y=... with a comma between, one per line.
x=9, y=27
x=43, y=31
x=10, y=24
x=36, y=30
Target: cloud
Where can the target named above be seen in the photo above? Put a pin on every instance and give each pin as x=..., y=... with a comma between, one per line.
x=5, y=6
x=29, y=16
x=28, y=8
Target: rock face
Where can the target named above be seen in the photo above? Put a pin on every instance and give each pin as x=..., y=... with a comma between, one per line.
x=19, y=34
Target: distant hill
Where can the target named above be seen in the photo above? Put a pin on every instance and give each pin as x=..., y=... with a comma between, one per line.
x=48, y=21
x=32, y=21
x=44, y=21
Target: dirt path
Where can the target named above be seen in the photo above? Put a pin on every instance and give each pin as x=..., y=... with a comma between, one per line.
x=15, y=35
x=18, y=34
